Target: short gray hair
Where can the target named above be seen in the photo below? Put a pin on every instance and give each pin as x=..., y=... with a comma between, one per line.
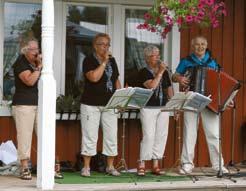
x=25, y=44
x=198, y=37
x=148, y=51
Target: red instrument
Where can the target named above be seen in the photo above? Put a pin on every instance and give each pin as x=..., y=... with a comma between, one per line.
x=228, y=89
x=207, y=82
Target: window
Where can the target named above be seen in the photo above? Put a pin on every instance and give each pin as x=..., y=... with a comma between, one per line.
x=135, y=42
x=21, y=20
x=82, y=24
x=75, y=26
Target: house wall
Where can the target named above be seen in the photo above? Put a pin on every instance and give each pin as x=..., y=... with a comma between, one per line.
x=228, y=45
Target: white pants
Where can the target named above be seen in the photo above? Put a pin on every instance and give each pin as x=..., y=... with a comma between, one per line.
x=25, y=117
x=210, y=123
x=91, y=118
x=155, y=131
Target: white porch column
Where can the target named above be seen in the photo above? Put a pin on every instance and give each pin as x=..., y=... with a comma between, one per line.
x=47, y=102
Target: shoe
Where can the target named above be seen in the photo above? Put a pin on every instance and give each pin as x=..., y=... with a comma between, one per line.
x=224, y=170
x=26, y=174
x=112, y=171
x=157, y=171
x=58, y=175
x=141, y=171
x=85, y=172
x=186, y=169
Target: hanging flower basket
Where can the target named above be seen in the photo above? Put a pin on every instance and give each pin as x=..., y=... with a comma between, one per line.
x=166, y=13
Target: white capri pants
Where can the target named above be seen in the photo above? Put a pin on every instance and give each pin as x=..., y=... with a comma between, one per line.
x=155, y=131
x=25, y=117
x=210, y=123
x=91, y=118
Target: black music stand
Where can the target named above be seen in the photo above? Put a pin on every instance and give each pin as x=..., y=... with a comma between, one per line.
x=221, y=108
x=231, y=162
x=183, y=102
x=123, y=100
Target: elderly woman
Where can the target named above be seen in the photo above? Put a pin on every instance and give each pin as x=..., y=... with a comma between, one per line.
x=154, y=121
x=200, y=57
x=101, y=80
x=27, y=70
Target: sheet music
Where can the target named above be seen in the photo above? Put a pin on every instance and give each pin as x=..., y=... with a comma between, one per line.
x=196, y=101
x=233, y=94
x=188, y=101
x=140, y=97
x=129, y=97
x=120, y=98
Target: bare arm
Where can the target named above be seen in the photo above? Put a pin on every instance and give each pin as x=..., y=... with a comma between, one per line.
x=180, y=79
x=29, y=78
x=170, y=92
x=96, y=75
x=117, y=84
x=153, y=83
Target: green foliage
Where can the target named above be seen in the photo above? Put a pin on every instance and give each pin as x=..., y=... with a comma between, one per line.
x=67, y=103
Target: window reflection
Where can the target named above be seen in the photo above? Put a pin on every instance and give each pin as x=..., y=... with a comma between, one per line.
x=81, y=26
x=21, y=21
x=135, y=42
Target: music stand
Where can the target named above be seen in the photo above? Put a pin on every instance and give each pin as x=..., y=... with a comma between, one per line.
x=220, y=110
x=123, y=100
x=183, y=102
x=231, y=162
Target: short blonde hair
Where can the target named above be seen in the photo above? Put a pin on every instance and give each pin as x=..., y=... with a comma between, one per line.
x=100, y=35
x=25, y=44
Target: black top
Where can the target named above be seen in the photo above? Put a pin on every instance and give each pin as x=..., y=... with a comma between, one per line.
x=96, y=93
x=144, y=75
x=24, y=95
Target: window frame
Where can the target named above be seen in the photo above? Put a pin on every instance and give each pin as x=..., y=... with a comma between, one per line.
x=4, y=109
x=116, y=29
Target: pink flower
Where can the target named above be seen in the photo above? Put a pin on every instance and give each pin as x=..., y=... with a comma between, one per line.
x=182, y=1
x=164, y=10
x=188, y=18
x=202, y=1
x=200, y=14
x=179, y=21
x=147, y=16
x=184, y=12
x=209, y=2
x=200, y=5
x=215, y=23
x=158, y=21
x=224, y=12
x=152, y=29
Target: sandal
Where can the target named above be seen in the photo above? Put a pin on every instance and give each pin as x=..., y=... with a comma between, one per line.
x=157, y=171
x=141, y=171
x=26, y=174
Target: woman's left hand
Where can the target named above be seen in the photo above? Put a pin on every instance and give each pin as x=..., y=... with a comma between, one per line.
x=230, y=105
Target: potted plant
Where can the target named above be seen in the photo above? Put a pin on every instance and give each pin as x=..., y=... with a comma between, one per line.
x=68, y=105
x=166, y=13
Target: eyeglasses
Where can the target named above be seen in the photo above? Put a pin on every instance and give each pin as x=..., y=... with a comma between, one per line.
x=103, y=44
x=34, y=49
x=153, y=55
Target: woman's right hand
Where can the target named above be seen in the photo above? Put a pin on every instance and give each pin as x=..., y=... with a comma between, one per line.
x=183, y=81
x=39, y=64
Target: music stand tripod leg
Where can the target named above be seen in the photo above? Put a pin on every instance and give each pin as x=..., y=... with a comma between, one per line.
x=122, y=163
x=220, y=173
x=178, y=161
x=231, y=162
